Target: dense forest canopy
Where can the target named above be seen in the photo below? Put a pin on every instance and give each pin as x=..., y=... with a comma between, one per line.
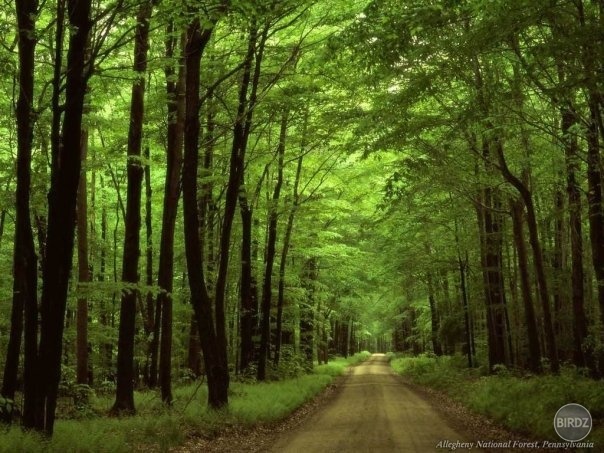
x=236, y=189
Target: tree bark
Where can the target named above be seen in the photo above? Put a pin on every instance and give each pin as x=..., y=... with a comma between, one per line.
x=307, y=309
x=25, y=262
x=582, y=356
x=82, y=371
x=175, y=93
x=124, y=396
x=594, y=164
x=529, y=311
x=149, y=310
x=531, y=220
x=434, y=317
x=267, y=287
x=245, y=117
x=490, y=238
x=283, y=263
x=61, y=221
x=212, y=344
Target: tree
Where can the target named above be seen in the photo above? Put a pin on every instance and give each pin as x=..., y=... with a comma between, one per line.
x=124, y=397
x=175, y=93
x=25, y=280
x=40, y=402
x=267, y=286
x=213, y=341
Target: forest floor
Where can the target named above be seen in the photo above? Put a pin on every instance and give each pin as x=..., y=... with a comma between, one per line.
x=370, y=409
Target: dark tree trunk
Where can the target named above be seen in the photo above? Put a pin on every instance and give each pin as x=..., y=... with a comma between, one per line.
x=82, y=371
x=25, y=299
x=594, y=202
x=490, y=253
x=534, y=362
x=463, y=265
x=149, y=309
x=307, y=308
x=270, y=253
x=559, y=280
x=531, y=221
x=286, y=243
x=490, y=240
x=241, y=133
x=194, y=349
x=124, y=396
x=594, y=164
x=495, y=293
x=434, y=317
x=283, y=264
x=175, y=92
x=582, y=356
x=463, y=288
x=61, y=221
x=212, y=344
x=105, y=347
x=248, y=292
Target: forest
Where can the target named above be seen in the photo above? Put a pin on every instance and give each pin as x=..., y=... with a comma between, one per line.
x=209, y=193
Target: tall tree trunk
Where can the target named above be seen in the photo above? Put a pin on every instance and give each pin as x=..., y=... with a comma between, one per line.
x=558, y=263
x=124, y=395
x=214, y=350
x=25, y=263
x=61, y=221
x=594, y=201
x=175, y=93
x=490, y=261
x=582, y=355
x=267, y=287
x=242, y=129
x=83, y=270
x=283, y=263
x=531, y=220
x=529, y=311
x=434, y=317
x=463, y=266
x=248, y=292
x=194, y=349
x=307, y=309
x=491, y=240
x=149, y=309
x=594, y=164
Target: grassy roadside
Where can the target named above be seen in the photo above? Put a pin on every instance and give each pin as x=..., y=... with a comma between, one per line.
x=524, y=404
x=159, y=428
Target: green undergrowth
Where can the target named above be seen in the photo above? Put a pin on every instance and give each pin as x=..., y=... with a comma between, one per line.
x=337, y=366
x=157, y=428
x=525, y=404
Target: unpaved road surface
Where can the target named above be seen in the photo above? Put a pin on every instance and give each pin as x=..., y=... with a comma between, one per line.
x=374, y=412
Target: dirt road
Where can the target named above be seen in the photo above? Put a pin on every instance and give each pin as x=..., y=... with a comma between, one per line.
x=374, y=412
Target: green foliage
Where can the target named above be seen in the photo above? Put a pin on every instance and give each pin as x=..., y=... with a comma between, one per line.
x=158, y=427
x=525, y=404
x=336, y=367
x=291, y=365
x=266, y=402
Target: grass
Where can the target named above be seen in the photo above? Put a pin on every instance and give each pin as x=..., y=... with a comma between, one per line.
x=157, y=428
x=525, y=404
x=337, y=366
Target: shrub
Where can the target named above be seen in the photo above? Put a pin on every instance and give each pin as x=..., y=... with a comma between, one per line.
x=525, y=404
